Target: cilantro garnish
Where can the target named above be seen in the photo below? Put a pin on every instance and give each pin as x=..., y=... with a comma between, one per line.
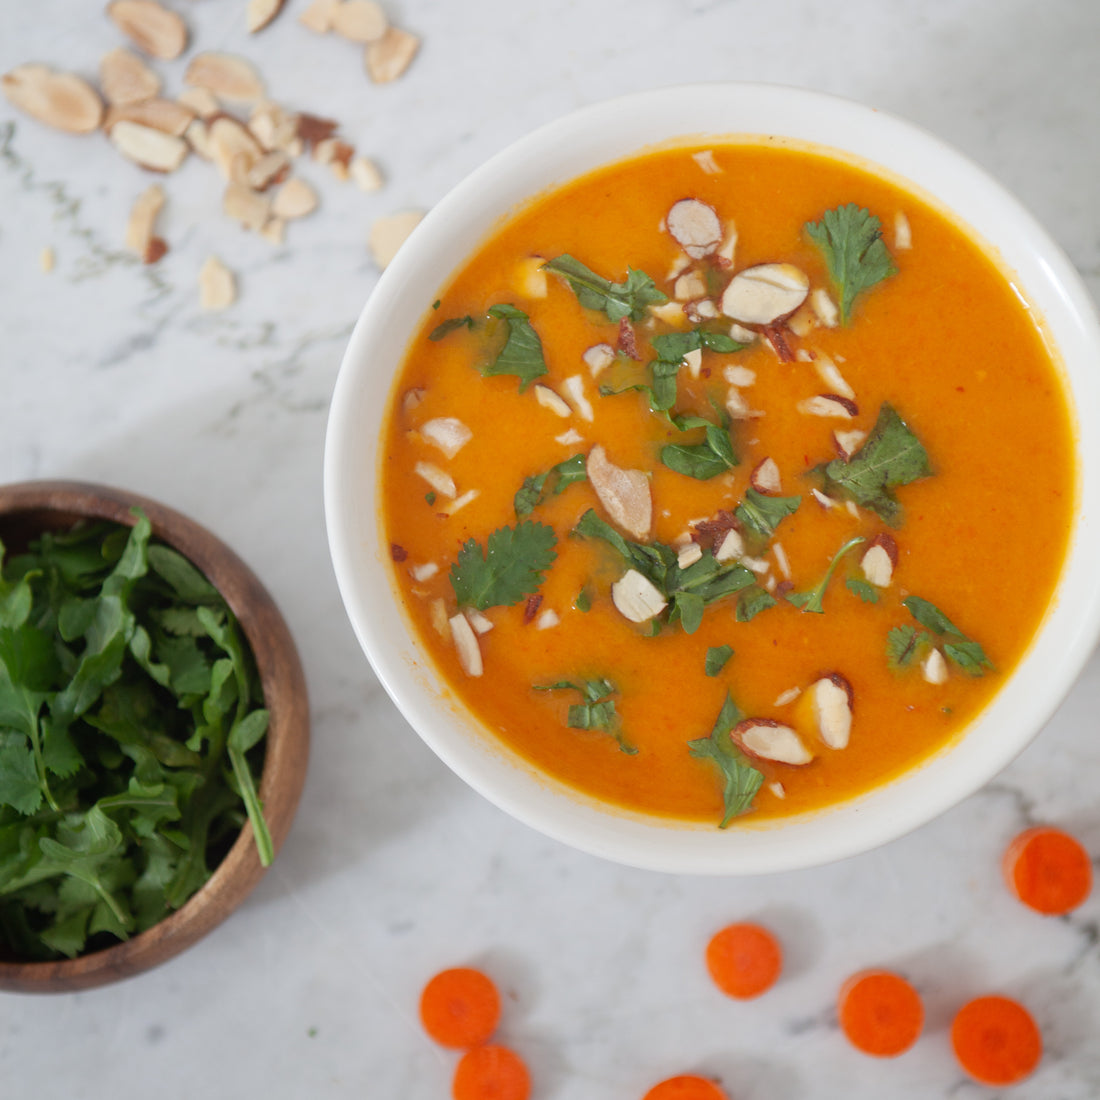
x=811, y=601
x=448, y=326
x=752, y=601
x=891, y=456
x=850, y=238
x=597, y=712
x=716, y=659
x=741, y=779
x=859, y=587
x=522, y=351
x=702, y=461
x=903, y=645
x=957, y=647
x=509, y=570
x=762, y=514
x=557, y=479
x=616, y=300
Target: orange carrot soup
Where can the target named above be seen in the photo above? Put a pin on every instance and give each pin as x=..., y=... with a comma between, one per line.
x=727, y=480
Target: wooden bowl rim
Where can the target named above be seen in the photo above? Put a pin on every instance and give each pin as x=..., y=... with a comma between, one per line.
x=285, y=694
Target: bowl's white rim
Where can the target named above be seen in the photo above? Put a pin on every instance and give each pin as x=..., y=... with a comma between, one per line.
x=602, y=133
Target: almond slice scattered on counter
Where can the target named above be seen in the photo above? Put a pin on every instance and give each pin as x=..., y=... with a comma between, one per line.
x=201, y=101
x=166, y=115
x=226, y=75
x=248, y=207
x=61, y=100
x=217, y=285
x=151, y=27
x=141, y=227
x=388, y=234
x=359, y=21
x=260, y=13
x=294, y=199
x=270, y=169
x=47, y=260
x=391, y=55
x=318, y=16
x=149, y=148
x=365, y=173
x=232, y=147
x=124, y=78
x=624, y=494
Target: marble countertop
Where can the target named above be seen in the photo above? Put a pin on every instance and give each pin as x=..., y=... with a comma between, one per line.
x=394, y=868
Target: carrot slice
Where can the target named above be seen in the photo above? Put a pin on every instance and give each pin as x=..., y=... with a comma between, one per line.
x=744, y=960
x=1048, y=870
x=996, y=1040
x=880, y=1013
x=685, y=1087
x=460, y=1007
x=491, y=1073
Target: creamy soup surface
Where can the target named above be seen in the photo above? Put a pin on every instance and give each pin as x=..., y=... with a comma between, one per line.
x=727, y=482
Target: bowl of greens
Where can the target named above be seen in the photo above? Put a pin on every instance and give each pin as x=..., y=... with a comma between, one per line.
x=154, y=733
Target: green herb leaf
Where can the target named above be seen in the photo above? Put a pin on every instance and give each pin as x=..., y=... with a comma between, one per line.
x=508, y=570
x=762, y=514
x=522, y=351
x=597, y=712
x=741, y=780
x=557, y=479
x=903, y=644
x=963, y=651
x=701, y=461
x=891, y=456
x=717, y=657
x=859, y=587
x=583, y=602
x=449, y=326
x=616, y=300
x=812, y=600
x=752, y=601
x=850, y=239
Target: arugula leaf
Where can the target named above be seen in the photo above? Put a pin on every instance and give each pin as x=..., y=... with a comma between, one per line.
x=859, y=587
x=903, y=644
x=522, y=351
x=557, y=479
x=811, y=601
x=616, y=300
x=701, y=461
x=741, y=780
x=673, y=346
x=752, y=601
x=960, y=649
x=449, y=326
x=891, y=456
x=508, y=570
x=597, y=712
x=850, y=238
x=762, y=514
x=716, y=659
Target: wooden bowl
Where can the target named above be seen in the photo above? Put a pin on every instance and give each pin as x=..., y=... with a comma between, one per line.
x=31, y=507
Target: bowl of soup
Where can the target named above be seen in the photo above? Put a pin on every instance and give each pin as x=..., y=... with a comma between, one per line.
x=705, y=479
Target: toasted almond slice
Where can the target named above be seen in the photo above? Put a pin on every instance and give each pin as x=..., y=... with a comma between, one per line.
x=693, y=360
x=777, y=789
x=198, y=137
x=739, y=376
x=248, y=207
x=141, y=227
x=765, y=477
x=271, y=168
x=671, y=313
x=574, y=392
x=438, y=479
x=825, y=309
x=166, y=115
x=636, y=597
x=847, y=443
x=760, y=566
x=47, y=260
x=482, y=624
x=124, y=78
x=412, y=399
x=706, y=161
x=217, y=286
x=879, y=560
x=151, y=27
x=233, y=148
x=731, y=547
x=934, y=668
x=853, y=508
x=318, y=16
x=830, y=374
x=782, y=562
x=701, y=309
x=460, y=502
x=695, y=226
x=741, y=334
x=690, y=285
x=447, y=433
x=466, y=645
x=365, y=173
x=826, y=502
x=829, y=404
x=903, y=233
x=788, y=696
x=387, y=58
x=768, y=740
x=200, y=101
x=359, y=20
x=437, y=610
x=274, y=230
x=598, y=358
x=547, y=619
x=294, y=199
x=624, y=494
x=548, y=399
x=388, y=234
x=802, y=322
x=60, y=100
x=226, y=75
x=762, y=294
x=273, y=127
x=260, y=13
x=567, y=439
x=424, y=571
x=152, y=149
x=831, y=696
x=342, y=153
x=738, y=407
x=689, y=555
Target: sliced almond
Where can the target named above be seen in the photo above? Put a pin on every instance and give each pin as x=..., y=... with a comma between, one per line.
x=233, y=148
x=738, y=407
x=826, y=502
x=934, y=668
x=829, y=405
x=275, y=128
x=424, y=571
x=689, y=555
x=782, y=562
x=574, y=392
x=624, y=494
x=226, y=75
x=151, y=27
x=388, y=234
x=671, y=313
x=412, y=399
x=636, y=597
x=438, y=479
x=198, y=137
x=765, y=477
x=318, y=16
x=437, y=612
x=248, y=207
x=166, y=115
x=47, y=260
x=768, y=740
x=141, y=227
x=847, y=443
x=260, y=13
x=60, y=100
x=294, y=199
x=879, y=560
x=124, y=78
x=270, y=169
x=706, y=161
x=802, y=322
x=201, y=101
x=598, y=358
x=274, y=230
x=448, y=433
x=695, y=227
x=762, y=294
x=758, y=565
x=739, y=376
x=217, y=285
x=741, y=334
x=731, y=547
x=725, y=251
x=547, y=619
x=788, y=696
x=460, y=502
x=482, y=624
x=342, y=153
x=690, y=285
x=832, y=696
x=825, y=309
x=548, y=399
x=365, y=174
x=391, y=55
x=830, y=374
x=152, y=149
x=359, y=20
x=693, y=360
x=903, y=233
x=569, y=438
x=466, y=645
x=701, y=309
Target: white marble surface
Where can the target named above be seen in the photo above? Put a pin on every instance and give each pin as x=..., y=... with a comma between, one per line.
x=394, y=868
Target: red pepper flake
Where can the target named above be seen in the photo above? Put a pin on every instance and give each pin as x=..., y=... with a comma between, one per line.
x=398, y=553
x=777, y=337
x=628, y=344
x=531, y=608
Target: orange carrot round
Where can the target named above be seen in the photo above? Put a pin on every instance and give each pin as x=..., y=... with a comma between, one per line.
x=996, y=1040
x=685, y=1087
x=491, y=1073
x=880, y=1013
x=744, y=960
x=460, y=1007
x=1048, y=870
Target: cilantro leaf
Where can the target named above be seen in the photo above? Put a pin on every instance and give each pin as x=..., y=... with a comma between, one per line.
x=596, y=712
x=616, y=300
x=859, y=587
x=522, y=351
x=717, y=657
x=811, y=601
x=762, y=514
x=891, y=456
x=450, y=325
x=903, y=644
x=557, y=479
x=741, y=780
x=963, y=651
x=508, y=570
x=850, y=239
x=702, y=461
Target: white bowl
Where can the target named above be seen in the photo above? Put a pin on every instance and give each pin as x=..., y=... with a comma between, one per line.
x=558, y=152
